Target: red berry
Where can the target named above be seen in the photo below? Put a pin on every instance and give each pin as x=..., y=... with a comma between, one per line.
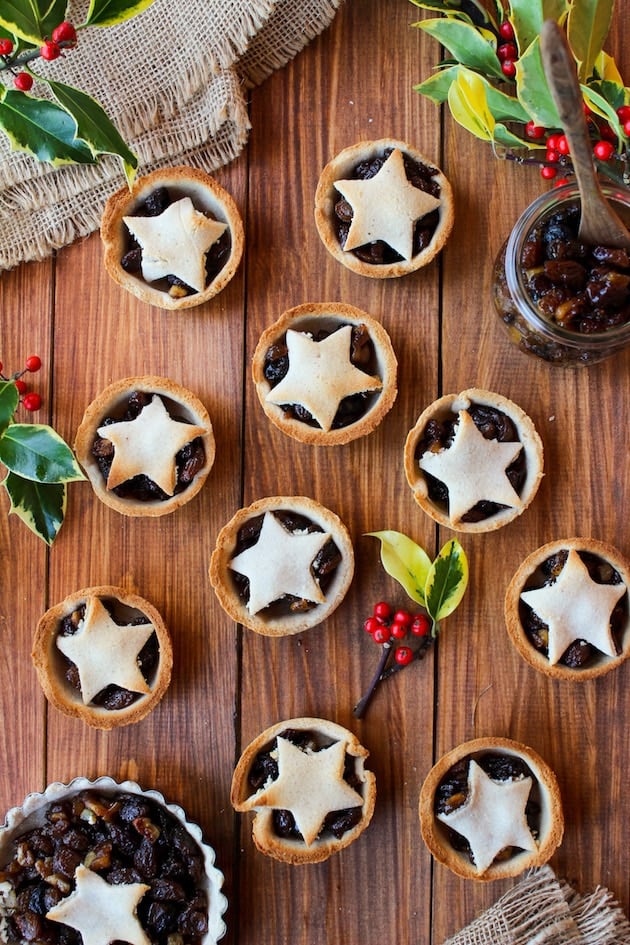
x=50, y=50
x=548, y=173
x=420, y=625
x=534, y=131
x=507, y=51
x=398, y=630
x=403, y=655
x=65, y=33
x=626, y=128
x=403, y=616
x=21, y=386
x=371, y=624
x=33, y=363
x=506, y=30
x=382, y=610
x=561, y=181
x=32, y=401
x=608, y=134
x=508, y=68
x=623, y=113
x=6, y=46
x=23, y=81
x=604, y=150
x=381, y=635
x=563, y=144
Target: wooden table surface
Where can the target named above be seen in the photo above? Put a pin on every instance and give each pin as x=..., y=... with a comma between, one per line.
x=354, y=82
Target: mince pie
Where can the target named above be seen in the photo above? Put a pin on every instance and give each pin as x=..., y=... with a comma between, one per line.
x=567, y=609
x=98, y=861
x=306, y=781
x=383, y=209
x=175, y=239
x=325, y=373
x=146, y=444
x=282, y=565
x=103, y=655
x=490, y=809
x=474, y=461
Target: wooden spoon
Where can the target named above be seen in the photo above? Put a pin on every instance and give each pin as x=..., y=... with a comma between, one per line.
x=599, y=224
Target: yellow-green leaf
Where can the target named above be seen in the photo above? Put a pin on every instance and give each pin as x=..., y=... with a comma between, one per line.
x=110, y=12
x=469, y=106
x=587, y=28
x=447, y=581
x=606, y=68
x=605, y=105
x=405, y=561
x=41, y=506
x=528, y=16
x=32, y=20
x=532, y=89
x=471, y=46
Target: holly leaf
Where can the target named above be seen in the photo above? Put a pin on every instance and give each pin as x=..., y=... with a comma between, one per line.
x=110, y=12
x=528, y=16
x=532, y=89
x=446, y=582
x=35, y=451
x=588, y=24
x=9, y=399
x=93, y=126
x=41, y=506
x=405, y=561
x=503, y=107
x=471, y=46
x=604, y=98
x=41, y=128
x=606, y=69
x=32, y=20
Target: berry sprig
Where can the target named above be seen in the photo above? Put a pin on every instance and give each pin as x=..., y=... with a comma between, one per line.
x=31, y=401
x=64, y=36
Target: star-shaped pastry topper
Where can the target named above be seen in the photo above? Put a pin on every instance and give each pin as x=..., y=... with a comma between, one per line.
x=473, y=469
x=321, y=374
x=493, y=816
x=106, y=653
x=148, y=445
x=385, y=207
x=102, y=912
x=310, y=784
x=175, y=242
x=280, y=563
x=575, y=607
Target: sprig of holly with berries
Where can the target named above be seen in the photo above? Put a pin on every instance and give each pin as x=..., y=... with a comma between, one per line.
x=67, y=126
x=495, y=86
x=437, y=586
x=39, y=463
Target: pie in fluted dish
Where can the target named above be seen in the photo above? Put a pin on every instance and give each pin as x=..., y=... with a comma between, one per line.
x=325, y=373
x=567, y=608
x=146, y=444
x=175, y=239
x=103, y=655
x=307, y=783
x=473, y=460
x=282, y=565
x=382, y=209
x=490, y=809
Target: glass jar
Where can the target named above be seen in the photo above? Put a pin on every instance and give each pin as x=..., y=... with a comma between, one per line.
x=527, y=324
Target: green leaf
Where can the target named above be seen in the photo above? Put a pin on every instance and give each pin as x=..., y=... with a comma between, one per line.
x=453, y=8
x=597, y=98
x=42, y=129
x=110, y=12
x=587, y=28
x=469, y=106
x=9, y=399
x=436, y=86
x=405, y=561
x=41, y=506
x=532, y=89
x=528, y=16
x=503, y=107
x=606, y=69
x=32, y=20
x=93, y=126
x=35, y=451
x=447, y=581
x=470, y=46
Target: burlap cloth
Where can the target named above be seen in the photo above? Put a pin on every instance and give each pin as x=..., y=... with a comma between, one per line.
x=175, y=81
x=542, y=910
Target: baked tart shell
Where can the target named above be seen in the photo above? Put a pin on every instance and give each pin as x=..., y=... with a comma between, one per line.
x=310, y=317
x=551, y=830
x=207, y=195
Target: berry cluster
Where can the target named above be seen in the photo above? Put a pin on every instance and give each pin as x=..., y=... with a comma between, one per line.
x=64, y=36
x=507, y=53
x=31, y=401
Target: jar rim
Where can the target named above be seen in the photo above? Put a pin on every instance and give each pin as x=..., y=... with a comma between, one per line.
x=543, y=206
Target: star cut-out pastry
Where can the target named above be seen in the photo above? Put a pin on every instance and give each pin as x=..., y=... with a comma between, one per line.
x=148, y=445
x=575, y=607
x=473, y=469
x=310, y=784
x=106, y=653
x=493, y=816
x=385, y=207
x=102, y=912
x=280, y=563
x=321, y=374
x=175, y=242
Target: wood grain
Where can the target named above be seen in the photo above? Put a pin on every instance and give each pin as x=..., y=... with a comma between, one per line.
x=354, y=82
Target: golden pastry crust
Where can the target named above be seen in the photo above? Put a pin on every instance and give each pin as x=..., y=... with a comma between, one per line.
x=444, y=408
x=341, y=167
x=207, y=196
x=601, y=663
x=112, y=401
x=294, y=850
x=551, y=828
x=50, y=665
x=266, y=622
x=311, y=317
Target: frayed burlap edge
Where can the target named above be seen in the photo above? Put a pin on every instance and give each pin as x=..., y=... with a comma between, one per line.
x=598, y=915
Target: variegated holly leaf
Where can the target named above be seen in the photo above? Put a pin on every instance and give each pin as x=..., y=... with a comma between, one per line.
x=405, y=561
x=9, y=399
x=588, y=24
x=35, y=451
x=604, y=98
x=475, y=11
x=41, y=128
x=110, y=12
x=41, y=506
x=471, y=46
x=470, y=107
x=503, y=107
x=532, y=89
x=528, y=16
x=32, y=20
x=446, y=582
